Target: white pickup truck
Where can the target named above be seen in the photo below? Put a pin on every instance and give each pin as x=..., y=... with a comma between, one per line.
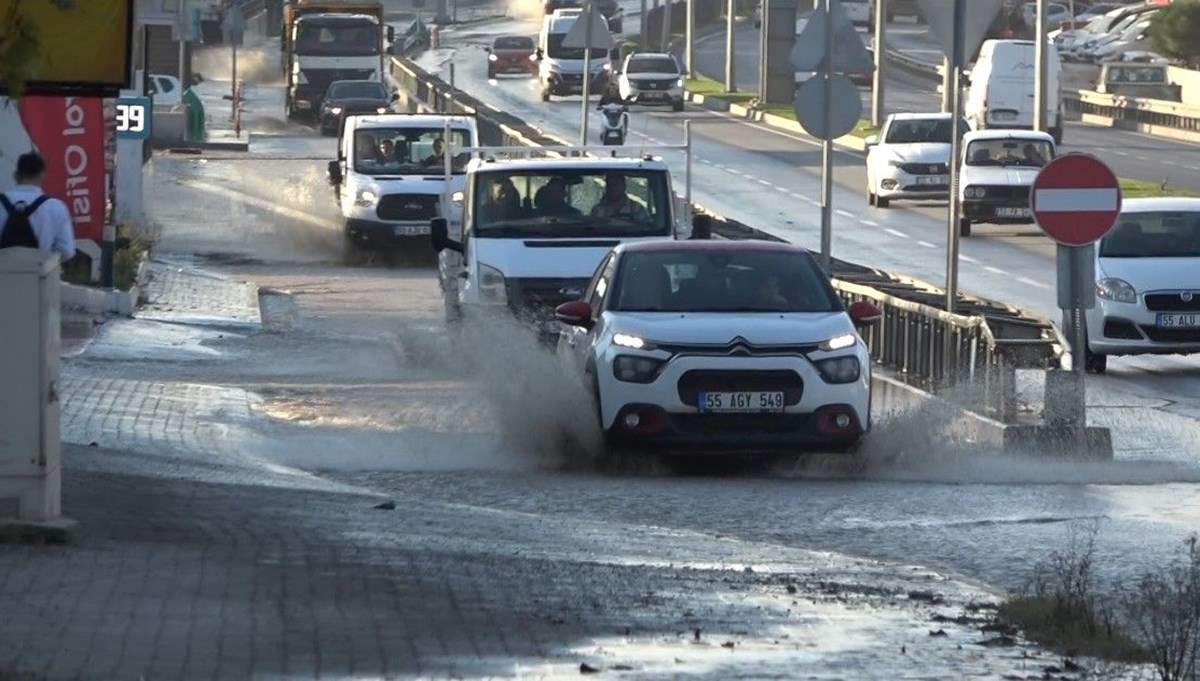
x=537, y=228
x=395, y=172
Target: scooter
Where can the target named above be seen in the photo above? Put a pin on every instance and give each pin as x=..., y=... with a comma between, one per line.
x=615, y=124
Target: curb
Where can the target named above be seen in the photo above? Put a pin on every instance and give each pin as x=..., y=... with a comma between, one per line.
x=711, y=103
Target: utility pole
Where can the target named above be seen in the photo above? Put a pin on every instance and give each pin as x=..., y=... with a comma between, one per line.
x=666, y=27
x=947, y=85
x=691, y=39
x=827, y=147
x=588, y=11
x=730, y=73
x=1039, y=64
x=952, y=233
x=877, y=108
x=183, y=41
x=643, y=29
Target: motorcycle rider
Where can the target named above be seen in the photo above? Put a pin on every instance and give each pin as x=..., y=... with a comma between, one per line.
x=611, y=95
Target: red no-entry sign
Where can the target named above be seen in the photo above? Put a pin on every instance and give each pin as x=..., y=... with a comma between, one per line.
x=1076, y=199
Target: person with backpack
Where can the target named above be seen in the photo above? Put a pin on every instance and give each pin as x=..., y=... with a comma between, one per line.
x=31, y=218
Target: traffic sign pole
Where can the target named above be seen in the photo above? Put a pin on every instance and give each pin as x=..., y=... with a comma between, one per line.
x=1076, y=199
x=827, y=146
x=957, y=57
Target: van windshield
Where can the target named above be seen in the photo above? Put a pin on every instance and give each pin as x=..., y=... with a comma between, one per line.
x=555, y=49
x=408, y=151
x=571, y=203
x=1010, y=153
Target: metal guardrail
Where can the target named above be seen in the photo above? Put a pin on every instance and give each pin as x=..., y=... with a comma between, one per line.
x=1129, y=109
x=984, y=343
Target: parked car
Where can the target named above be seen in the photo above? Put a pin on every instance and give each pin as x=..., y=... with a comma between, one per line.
x=1055, y=14
x=1147, y=283
x=713, y=346
x=1084, y=51
x=512, y=54
x=910, y=158
x=1136, y=38
x=346, y=97
x=651, y=78
x=997, y=172
x=165, y=90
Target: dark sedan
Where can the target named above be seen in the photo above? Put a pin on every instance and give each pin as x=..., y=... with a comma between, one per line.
x=346, y=97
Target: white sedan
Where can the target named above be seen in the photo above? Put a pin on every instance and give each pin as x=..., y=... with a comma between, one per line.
x=1147, y=283
x=910, y=158
x=717, y=346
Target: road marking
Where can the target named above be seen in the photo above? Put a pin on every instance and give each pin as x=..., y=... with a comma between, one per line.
x=869, y=223
x=1027, y=280
x=896, y=233
x=994, y=270
x=784, y=190
x=764, y=182
x=926, y=244
x=1119, y=153
x=967, y=258
x=844, y=213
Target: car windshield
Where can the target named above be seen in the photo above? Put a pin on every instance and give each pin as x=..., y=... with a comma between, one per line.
x=1010, y=152
x=555, y=49
x=653, y=65
x=408, y=151
x=358, y=90
x=572, y=203
x=722, y=281
x=338, y=38
x=1162, y=234
x=513, y=43
x=917, y=130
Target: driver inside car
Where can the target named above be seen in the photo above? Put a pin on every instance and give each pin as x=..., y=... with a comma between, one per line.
x=616, y=203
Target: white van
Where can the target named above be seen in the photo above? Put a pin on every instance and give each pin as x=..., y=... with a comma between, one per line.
x=390, y=181
x=560, y=69
x=1001, y=91
x=535, y=229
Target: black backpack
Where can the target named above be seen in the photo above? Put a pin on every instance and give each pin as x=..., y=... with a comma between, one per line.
x=18, y=231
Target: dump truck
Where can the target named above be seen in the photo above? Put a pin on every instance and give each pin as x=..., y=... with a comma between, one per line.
x=327, y=40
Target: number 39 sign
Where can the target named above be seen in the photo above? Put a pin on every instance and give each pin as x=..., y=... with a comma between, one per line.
x=133, y=118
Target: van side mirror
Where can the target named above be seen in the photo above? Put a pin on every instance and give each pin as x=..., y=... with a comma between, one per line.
x=439, y=232
x=335, y=172
x=391, y=33
x=539, y=55
x=702, y=226
x=871, y=140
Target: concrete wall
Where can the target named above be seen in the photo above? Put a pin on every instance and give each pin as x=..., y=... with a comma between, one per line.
x=1189, y=81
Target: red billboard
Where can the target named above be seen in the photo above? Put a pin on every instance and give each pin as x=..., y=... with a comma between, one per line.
x=69, y=133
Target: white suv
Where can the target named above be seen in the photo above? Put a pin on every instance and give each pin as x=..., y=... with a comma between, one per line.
x=718, y=346
x=652, y=78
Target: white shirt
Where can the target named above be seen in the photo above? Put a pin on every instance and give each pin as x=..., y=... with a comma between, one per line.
x=51, y=222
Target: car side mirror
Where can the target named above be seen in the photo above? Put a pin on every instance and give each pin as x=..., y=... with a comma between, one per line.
x=487, y=49
x=702, y=226
x=863, y=314
x=395, y=96
x=335, y=172
x=872, y=140
x=537, y=56
x=576, y=313
x=439, y=232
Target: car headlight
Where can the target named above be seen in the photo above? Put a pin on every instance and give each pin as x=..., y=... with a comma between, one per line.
x=492, y=57
x=628, y=341
x=839, y=369
x=492, y=285
x=1116, y=290
x=457, y=197
x=365, y=197
x=838, y=342
x=679, y=83
x=301, y=79
x=974, y=192
x=382, y=109
x=632, y=369
x=335, y=110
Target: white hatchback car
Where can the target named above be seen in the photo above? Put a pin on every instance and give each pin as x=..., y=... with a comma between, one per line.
x=651, y=78
x=718, y=346
x=1147, y=283
x=910, y=158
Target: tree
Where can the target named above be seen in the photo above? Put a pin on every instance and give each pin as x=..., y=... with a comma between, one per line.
x=1175, y=31
x=19, y=48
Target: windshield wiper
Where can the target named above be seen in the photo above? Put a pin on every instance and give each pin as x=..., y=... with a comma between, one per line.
x=518, y=231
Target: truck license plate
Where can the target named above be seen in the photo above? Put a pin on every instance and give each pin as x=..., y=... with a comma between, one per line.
x=1179, y=321
x=740, y=402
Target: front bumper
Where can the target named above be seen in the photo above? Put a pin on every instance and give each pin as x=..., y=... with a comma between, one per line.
x=897, y=183
x=524, y=66
x=380, y=234
x=572, y=84
x=669, y=418
x=1001, y=211
x=1132, y=329
x=653, y=97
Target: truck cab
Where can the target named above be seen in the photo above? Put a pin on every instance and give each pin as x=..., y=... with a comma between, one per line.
x=535, y=230
x=394, y=172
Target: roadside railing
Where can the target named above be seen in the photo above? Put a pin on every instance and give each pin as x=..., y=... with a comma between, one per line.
x=1118, y=109
x=983, y=344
